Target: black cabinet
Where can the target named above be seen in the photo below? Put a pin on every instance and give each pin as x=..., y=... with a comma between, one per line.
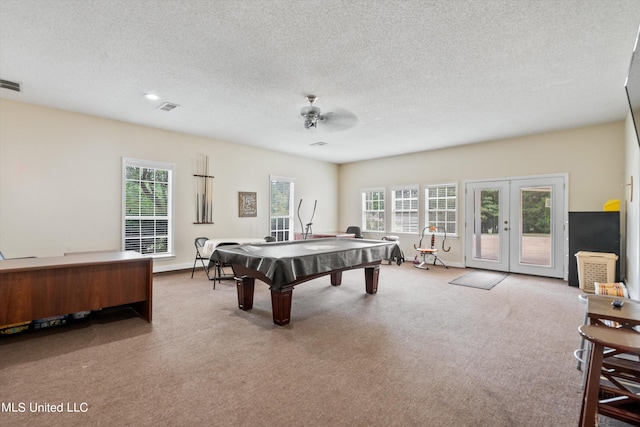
x=593, y=232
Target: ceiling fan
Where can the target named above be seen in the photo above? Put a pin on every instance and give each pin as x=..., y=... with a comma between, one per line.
x=337, y=120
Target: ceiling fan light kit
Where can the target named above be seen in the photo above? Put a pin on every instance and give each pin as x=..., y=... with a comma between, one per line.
x=311, y=113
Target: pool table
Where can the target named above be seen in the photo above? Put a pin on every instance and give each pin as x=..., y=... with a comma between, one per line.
x=283, y=265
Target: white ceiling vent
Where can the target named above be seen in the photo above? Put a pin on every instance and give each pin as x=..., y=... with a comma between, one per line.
x=14, y=86
x=167, y=106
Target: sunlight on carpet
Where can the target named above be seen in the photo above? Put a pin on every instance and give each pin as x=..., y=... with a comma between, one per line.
x=480, y=279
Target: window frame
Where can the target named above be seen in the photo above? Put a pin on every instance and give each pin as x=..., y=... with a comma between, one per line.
x=455, y=210
x=170, y=217
x=415, y=211
x=292, y=225
x=364, y=199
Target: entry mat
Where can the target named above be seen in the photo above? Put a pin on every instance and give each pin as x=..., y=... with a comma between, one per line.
x=480, y=279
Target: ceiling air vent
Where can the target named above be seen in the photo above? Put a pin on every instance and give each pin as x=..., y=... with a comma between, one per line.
x=167, y=106
x=14, y=86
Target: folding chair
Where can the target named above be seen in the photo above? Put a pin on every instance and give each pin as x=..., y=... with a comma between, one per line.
x=199, y=243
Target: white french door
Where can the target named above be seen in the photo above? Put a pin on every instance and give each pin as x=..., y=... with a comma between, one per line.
x=486, y=225
x=516, y=225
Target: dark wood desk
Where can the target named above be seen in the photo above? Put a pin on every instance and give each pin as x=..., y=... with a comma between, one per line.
x=36, y=288
x=284, y=265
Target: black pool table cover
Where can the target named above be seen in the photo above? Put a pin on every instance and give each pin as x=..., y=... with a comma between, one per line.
x=285, y=262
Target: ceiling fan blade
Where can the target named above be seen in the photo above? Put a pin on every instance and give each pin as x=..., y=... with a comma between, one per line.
x=338, y=119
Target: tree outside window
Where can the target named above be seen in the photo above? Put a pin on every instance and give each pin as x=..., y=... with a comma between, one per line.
x=147, y=207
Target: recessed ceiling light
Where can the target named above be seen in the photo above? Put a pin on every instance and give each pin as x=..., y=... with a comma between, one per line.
x=151, y=96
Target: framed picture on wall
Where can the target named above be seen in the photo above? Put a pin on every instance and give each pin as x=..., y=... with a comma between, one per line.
x=247, y=204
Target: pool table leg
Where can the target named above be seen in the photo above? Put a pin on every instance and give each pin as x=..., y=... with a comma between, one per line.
x=336, y=278
x=371, y=275
x=281, y=306
x=245, y=287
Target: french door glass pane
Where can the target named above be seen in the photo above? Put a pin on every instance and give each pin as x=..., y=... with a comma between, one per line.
x=535, y=220
x=486, y=232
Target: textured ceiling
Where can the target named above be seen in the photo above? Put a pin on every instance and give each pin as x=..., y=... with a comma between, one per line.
x=418, y=74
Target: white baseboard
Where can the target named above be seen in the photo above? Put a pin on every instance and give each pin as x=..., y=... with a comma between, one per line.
x=173, y=267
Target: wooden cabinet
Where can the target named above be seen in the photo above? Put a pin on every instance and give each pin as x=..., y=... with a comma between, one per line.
x=35, y=288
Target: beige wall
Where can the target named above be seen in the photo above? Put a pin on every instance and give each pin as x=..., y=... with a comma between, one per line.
x=60, y=180
x=593, y=157
x=60, y=183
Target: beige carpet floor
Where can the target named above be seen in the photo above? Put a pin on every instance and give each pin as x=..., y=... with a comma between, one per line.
x=421, y=352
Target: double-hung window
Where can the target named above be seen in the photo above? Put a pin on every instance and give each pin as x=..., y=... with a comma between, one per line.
x=373, y=210
x=441, y=208
x=147, y=202
x=404, y=210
